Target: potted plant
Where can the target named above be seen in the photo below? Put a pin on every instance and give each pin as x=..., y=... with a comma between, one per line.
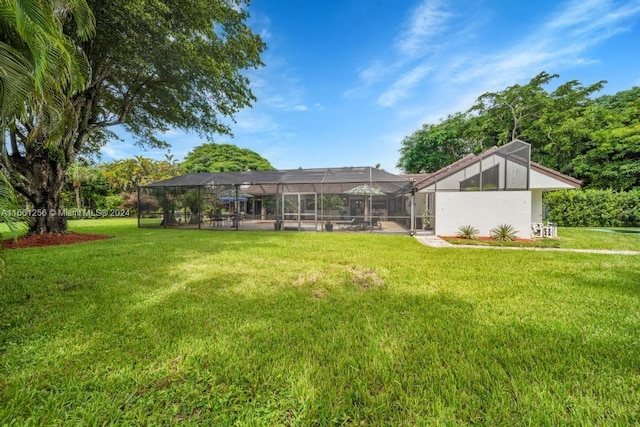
x=330, y=203
x=426, y=218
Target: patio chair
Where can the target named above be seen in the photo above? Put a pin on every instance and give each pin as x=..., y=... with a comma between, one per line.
x=537, y=229
x=216, y=220
x=550, y=230
x=359, y=224
x=346, y=224
x=375, y=222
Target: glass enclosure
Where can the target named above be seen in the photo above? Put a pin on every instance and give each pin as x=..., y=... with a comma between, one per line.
x=335, y=199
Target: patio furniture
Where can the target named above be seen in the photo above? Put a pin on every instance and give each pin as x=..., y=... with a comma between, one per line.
x=359, y=224
x=346, y=224
x=216, y=220
x=537, y=229
x=375, y=222
x=550, y=230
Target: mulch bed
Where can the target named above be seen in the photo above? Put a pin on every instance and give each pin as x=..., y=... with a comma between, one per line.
x=51, y=239
x=489, y=239
x=484, y=239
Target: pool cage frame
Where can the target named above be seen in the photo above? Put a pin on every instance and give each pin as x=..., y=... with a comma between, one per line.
x=349, y=199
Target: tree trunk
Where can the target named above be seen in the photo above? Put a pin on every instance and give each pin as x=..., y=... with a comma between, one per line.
x=47, y=217
x=77, y=191
x=43, y=191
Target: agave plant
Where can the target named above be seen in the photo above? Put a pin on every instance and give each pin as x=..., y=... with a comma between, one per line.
x=504, y=233
x=468, y=232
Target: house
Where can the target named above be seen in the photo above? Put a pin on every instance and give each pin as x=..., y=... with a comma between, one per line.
x=498, y=186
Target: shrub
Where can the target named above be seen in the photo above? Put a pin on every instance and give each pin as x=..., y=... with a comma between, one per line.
x=468, y=232
x=503, y=233
x=114, y=202
x=148, y=203
x=594, y=208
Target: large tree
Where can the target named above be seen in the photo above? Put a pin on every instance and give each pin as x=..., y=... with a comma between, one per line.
x=125, y=175
x=433, y=147
x=155, y=65
x=612, y=157
x=592, y=139
x=210, y=157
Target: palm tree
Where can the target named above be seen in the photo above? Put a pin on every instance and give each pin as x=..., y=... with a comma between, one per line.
x=79, y=174
x=38, y=63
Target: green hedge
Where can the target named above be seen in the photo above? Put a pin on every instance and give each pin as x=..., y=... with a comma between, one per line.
x=594, y=208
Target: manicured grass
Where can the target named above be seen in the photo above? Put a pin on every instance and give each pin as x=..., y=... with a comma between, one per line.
x=266, y=328
x=593, y=238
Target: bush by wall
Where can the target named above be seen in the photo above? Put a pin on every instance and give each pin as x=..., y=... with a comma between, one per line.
x=594, y=208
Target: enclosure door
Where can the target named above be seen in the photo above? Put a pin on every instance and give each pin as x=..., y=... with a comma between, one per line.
x=299, y=209
x=429, y=222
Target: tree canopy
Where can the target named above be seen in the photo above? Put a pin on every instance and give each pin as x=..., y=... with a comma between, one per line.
x=211, y=157
x=125, y=175
x=154, y=65
x=594, y=139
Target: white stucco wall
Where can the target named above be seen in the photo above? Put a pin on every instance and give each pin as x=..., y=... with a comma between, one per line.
x=546, y=182
x=484, y=210
x=536, y=205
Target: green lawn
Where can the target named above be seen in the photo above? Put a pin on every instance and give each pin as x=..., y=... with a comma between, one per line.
x=266, y=328
x=593, y=238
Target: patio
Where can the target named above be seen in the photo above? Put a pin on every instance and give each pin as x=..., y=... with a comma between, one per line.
x=350, y=199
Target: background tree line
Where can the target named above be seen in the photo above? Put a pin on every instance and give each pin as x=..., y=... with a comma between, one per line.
x=113, y=185
x=595, y=139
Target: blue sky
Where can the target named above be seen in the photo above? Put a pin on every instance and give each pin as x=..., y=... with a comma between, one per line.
x=346, y=80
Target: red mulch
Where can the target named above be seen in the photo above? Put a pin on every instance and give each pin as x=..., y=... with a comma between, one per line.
x=488, y=239
x=51, y=239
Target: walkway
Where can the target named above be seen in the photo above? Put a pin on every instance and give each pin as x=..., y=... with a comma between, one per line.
x=436, y=242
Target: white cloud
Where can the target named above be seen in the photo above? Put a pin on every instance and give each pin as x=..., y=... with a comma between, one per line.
x=261, y=25
x=561, y=43
x=374, y=72
x=420, y=38
x=561, y=40
x=403, y=85
x=253, y=121
x=300, y=108
x=427, y=21
x=113, y=152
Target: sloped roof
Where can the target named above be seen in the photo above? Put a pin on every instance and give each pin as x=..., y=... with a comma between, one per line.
x=293, y=176
x=430, y=179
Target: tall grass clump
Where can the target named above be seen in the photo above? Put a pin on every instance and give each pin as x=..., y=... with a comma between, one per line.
x=503, y=233
x=468, y=232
